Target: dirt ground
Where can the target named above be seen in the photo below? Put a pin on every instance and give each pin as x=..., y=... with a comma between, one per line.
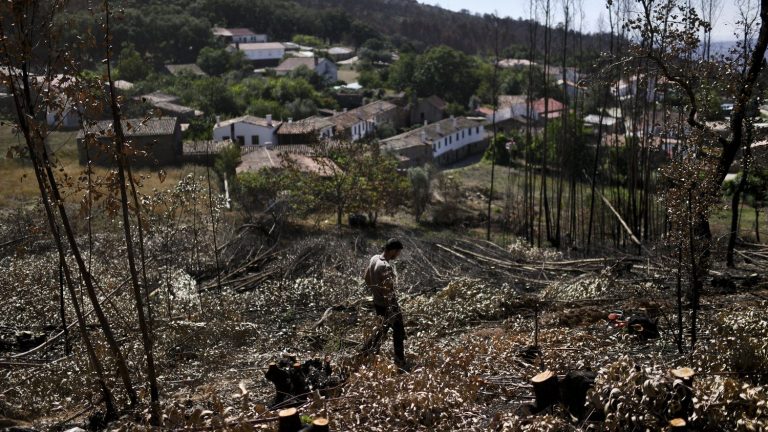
x=473, y=311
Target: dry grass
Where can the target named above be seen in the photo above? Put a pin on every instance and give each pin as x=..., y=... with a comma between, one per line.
x=19, y=188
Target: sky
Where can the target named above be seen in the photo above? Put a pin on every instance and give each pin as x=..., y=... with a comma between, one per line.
x=593, y=9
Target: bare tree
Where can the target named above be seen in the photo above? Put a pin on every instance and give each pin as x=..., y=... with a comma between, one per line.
x=122, y=163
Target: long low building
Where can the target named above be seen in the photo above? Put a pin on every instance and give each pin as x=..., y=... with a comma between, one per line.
x=152, y=142
x=442, y=142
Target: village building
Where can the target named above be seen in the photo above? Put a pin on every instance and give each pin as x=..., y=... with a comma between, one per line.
x=574, y=90
x=238, y=35
x=260, y=54
x=610, y=124
x=549, y=108
x=359, y=123
x=444, y=142
x=321, y=66
x=169, y=106
x=247, y=130
x=516, y=63
x=308, y=131
x=153, y=141
x=431, y=109
x=505, y=119
x=185, y=69
x=572, y=74
x=340, y=53
x=280, y=157
x=536, y=110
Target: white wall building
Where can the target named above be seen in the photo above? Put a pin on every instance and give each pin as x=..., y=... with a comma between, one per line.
x=238, y=35
x=247, y=130
x=453, y=134
x=273, y=51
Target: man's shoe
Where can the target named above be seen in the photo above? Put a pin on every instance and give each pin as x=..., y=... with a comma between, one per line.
x=402, y=365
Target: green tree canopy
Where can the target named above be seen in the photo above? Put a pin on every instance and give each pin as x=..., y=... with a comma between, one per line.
x=130, y=65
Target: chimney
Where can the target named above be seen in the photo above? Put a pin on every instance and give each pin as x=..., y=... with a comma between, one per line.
x=269, y=120
x=218, y=120
x=426, y=122
x=438, y=127
x=290, y=119
x=454, y=121
x=345, y=110
x=423, y=136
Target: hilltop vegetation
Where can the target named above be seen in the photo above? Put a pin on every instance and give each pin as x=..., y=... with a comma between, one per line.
x=174, y=31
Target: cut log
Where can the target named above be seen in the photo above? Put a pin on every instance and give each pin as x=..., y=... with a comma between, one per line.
x=685, y=374
x=678, y=424
x=546, y=390
x=320, y=424
x=289, y=420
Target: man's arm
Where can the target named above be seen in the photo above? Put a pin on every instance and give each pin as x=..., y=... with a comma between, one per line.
x=388, y=284
x=367, y=276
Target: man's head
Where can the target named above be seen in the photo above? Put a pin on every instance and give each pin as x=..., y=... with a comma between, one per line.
x=392, y=248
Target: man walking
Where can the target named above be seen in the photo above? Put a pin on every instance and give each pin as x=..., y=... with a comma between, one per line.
x=380, y=278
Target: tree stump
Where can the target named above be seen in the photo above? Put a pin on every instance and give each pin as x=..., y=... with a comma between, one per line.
x=573, y=391
x=546, y=389
x=289, y=420
x=320, y=424
x=685, y=391
x=678, y=424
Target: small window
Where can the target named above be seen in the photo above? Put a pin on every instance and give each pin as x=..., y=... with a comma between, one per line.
x=254, y=140
x=477, y=129
x=462, y=134
x=225, y=137
x=470, y=131
x=434, y=147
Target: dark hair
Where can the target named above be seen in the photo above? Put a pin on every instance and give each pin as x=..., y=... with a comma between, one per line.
x=393, y=244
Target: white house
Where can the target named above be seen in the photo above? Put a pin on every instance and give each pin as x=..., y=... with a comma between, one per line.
x=322, y=66
x=247, y=130
x=452, y=135
x=515, y=105
x=238, y=35
x=260, y=52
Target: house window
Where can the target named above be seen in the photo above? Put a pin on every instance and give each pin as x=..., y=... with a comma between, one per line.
x=457, y=136
x=225, y=137
x=462, y=134
x=254, y=140
x=450, y=139
x=470, y=131
x=434, y=147
x=477, y=129
x=241, y=140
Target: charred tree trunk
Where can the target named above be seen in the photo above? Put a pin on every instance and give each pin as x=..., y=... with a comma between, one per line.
x=120, y=159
